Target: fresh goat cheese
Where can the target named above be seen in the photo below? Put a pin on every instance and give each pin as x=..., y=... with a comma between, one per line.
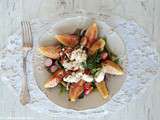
x=100, y=76
x=78, y=55
x=76, y=76
x=87, y=78
x=75, y=59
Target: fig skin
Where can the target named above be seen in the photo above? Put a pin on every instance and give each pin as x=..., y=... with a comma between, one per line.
x=50, y=51
x=91, y=34
x=55, y=79
x=112, y=68
x=102, y=88
x=68, y=40
x=97, y=45
x=75, y=90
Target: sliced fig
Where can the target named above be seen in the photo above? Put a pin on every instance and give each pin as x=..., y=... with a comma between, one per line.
x=112, y=68
x=91, y=34
x=55, y=79
x=102, y=88
x=68, y=40
x=98, y=45
x=75, y=90
x=50, y=51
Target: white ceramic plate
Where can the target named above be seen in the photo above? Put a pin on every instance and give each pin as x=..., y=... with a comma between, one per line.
x=68, y=26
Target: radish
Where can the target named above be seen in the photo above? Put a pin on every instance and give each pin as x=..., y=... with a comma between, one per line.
x=48, y=62
x=104, y=55
x=53, y=68
x=87, y=88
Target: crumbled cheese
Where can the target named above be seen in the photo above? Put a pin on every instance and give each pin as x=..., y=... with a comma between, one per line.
x=76, y=76
x=87, y=78
x=70, y=65
x=78, y=55
x=75, y=59
x=100, y=76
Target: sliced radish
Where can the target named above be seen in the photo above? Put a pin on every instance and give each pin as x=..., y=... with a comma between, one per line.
x=87, y=88
x=48, y=62
x=104, y=55
x=53, y=68
x=86, y=92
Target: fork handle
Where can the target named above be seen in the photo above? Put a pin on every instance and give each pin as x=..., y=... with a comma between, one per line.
x=24, y=94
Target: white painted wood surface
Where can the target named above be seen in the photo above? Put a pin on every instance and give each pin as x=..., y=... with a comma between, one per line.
x=145, y=12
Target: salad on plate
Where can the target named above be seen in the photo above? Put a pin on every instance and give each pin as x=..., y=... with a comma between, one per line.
x=80, y=63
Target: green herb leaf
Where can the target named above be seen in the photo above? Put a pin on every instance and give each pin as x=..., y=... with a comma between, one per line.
x=93, y=63
x=62, y=89
x=95, y=71
x=62, y=46
x=49, y=70
x=84, y=64
x=117, y=60
x=81, y=96
x=59, y=63
x=93, y=85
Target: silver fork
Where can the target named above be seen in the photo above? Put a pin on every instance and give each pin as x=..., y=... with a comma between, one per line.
x=27, y=46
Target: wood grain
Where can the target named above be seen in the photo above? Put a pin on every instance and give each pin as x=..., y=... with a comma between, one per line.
x=144, y=12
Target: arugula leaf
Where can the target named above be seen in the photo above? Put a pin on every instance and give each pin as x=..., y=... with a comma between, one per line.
x=49, y=70
x=62, y=89
x=93, y=84
x=95, y=71
x=95, y=58
x=93, y=63
x=81, y=96
x=62, y=46
x=59, y=63
x=117, y=60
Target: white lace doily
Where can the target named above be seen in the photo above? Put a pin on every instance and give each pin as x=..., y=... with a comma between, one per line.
x=143, y=68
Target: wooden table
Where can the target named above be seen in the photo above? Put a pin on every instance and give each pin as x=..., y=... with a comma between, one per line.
x=144, y=12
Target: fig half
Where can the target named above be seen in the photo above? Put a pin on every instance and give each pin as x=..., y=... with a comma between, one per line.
x=68, y=40
x=97, y=45
x=102, y=88
x=55, y=79
x=75, y=90
x=112, y=68
x=50, y=51
x=91, y=34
